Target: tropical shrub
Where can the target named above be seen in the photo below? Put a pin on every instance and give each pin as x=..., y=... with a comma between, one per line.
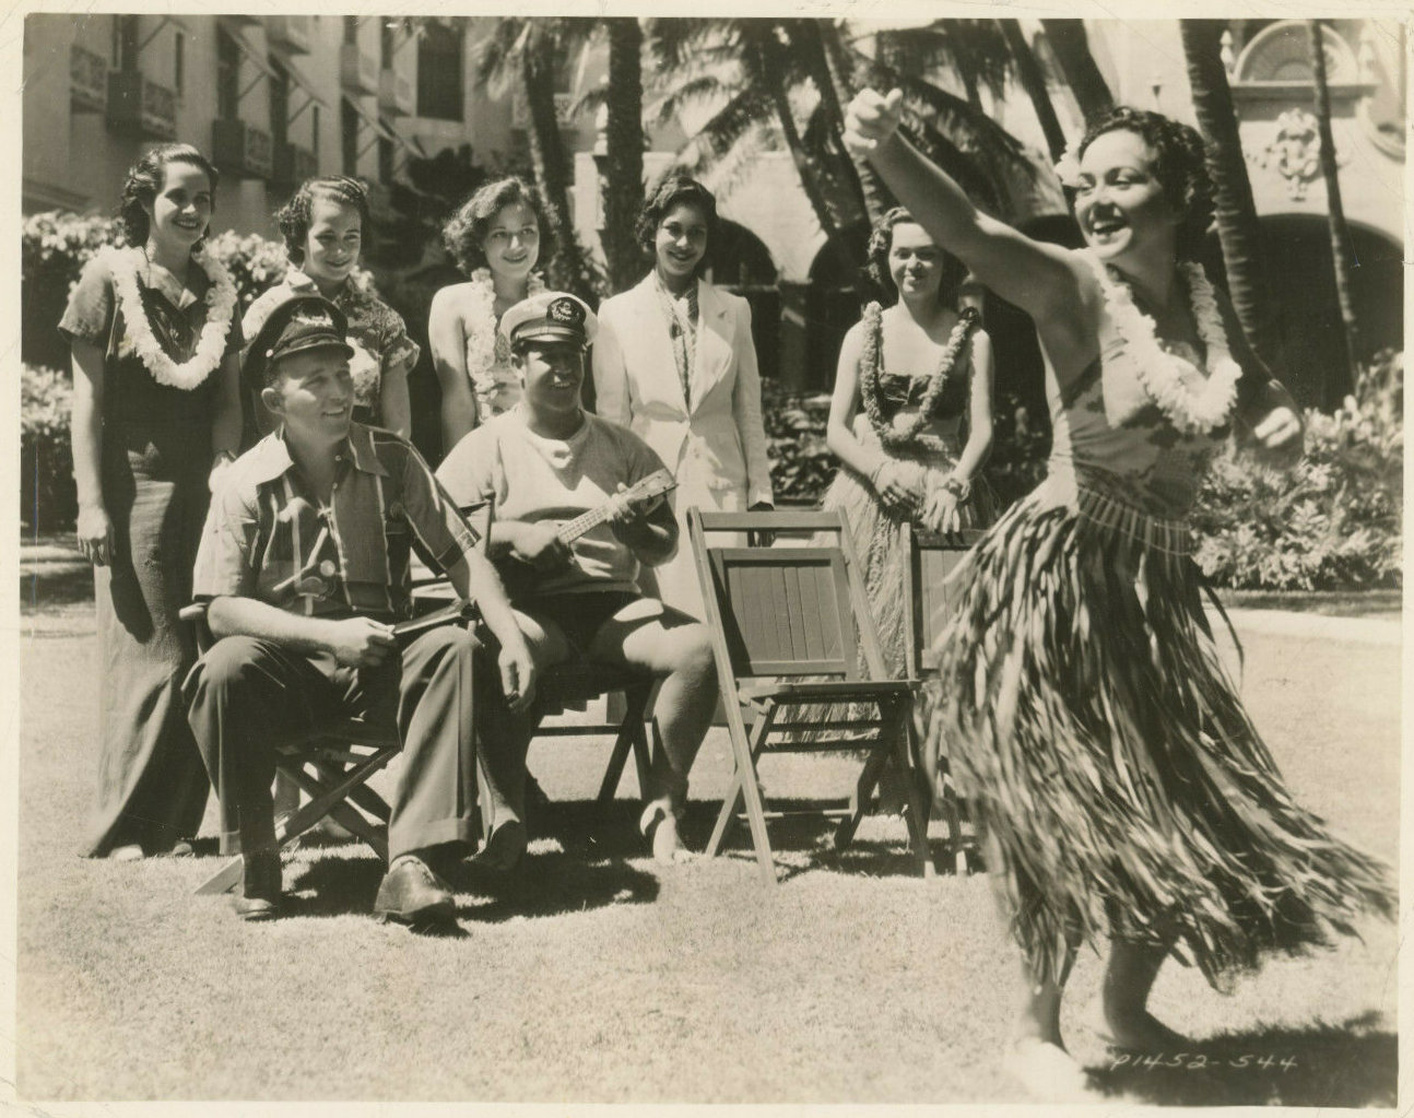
x=1333, y=522
x=47, y=500
x=802, y=466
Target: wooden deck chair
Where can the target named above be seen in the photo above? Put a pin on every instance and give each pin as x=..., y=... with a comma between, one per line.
x=928, y=596
x=781, y=618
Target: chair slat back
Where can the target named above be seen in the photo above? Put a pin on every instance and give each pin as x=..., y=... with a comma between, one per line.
x=932, y=559
x=785, y=612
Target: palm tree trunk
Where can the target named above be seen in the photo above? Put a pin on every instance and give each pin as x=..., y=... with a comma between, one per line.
x=781, y=102
x=1034, y=82
x=1239, y=229
x=1072, y=47
x=568, y=270
x=1342, y=250
x=878, y=199
x=623, y=194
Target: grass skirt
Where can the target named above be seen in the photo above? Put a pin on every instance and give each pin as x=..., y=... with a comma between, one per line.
x=1085, y=712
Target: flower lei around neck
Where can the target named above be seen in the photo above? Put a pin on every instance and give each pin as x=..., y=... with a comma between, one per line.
x=480, y=323
x=1159, y=372
x=902, y=429
x=220, y=301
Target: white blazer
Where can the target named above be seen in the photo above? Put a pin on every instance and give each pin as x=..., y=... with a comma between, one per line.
x=717, y=448
x=720, y=442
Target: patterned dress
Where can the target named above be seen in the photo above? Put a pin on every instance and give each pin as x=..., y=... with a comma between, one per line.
x=376, y=331
x=156, y=460
x=1089, y=718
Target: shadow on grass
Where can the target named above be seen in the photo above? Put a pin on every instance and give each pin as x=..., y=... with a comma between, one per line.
x=1344, y=1065
x=547, y=884
x=802, y=828
x=61, y=584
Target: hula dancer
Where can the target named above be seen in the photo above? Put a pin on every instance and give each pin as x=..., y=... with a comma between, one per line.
x=1124, y=789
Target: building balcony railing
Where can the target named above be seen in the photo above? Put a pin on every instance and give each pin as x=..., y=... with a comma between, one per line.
x=291, y=32
x=395, y=94
x=358, y=69
x=88, y=80
x=141, y=107
x=241, y=150
x=292, y=164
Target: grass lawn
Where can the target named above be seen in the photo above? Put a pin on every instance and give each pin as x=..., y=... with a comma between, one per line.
x=602, y=977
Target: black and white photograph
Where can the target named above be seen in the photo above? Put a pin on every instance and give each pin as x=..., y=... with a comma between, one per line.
x=796, y=556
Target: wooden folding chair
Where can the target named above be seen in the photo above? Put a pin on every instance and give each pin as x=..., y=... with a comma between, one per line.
x=571, y=686
x=928, y=600
x=781, y=619
x=332, y=766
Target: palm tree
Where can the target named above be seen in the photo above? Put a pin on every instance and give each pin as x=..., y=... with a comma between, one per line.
x=1028, y=70
x=623, y=188
x=752, y=69
x=525, y=55
x=1072, y=49
x=1239, y=230
x=1342, y=250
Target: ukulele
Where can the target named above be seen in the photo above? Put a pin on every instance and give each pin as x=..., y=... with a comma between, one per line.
x=520, y=577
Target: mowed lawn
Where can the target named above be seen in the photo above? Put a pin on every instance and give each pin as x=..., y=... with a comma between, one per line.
x=602, y=977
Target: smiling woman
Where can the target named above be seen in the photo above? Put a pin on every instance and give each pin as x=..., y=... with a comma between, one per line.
x=323, y=225
x=1081, y=690
x=154, y=336
x=675, y=363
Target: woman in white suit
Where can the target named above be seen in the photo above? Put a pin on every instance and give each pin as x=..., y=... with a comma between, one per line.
x=674, y=362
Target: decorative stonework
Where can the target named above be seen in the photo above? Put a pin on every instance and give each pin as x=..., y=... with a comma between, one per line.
x=1295, y=151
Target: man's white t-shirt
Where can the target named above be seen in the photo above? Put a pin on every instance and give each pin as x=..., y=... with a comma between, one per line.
x=534, y=478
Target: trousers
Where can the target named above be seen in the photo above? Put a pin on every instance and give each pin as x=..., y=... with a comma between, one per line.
x=248, y=696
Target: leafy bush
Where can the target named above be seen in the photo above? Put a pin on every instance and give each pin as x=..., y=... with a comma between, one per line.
x=47, y=499
x=802, y=466
x=1335, y=521
x=1020, y=447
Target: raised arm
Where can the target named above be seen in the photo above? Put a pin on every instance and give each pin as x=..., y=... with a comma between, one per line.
x=447, y=340
x=1041, y=279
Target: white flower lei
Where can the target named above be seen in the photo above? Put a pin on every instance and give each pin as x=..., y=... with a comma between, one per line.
x=481, y=321
x=1159, y=372
x=220, y=301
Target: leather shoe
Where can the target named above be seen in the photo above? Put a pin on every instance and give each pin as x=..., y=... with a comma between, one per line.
x=259, y=897
x=412, y=894
x=504, y=851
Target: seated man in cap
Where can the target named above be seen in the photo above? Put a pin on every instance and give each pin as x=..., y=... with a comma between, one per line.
x=303, y=589
x=547, y=462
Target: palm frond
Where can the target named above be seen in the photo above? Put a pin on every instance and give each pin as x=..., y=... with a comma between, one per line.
x=691, y=93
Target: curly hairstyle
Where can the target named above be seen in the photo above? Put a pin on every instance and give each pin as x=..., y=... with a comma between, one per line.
x=1180, y=165
x=673, y=191
x=295, y=216
x=467, y=228
x=144, y=183
x=876, y=260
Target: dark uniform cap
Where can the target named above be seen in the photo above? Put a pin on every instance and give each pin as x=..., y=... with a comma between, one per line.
x=301, y=323
x=551, y=316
